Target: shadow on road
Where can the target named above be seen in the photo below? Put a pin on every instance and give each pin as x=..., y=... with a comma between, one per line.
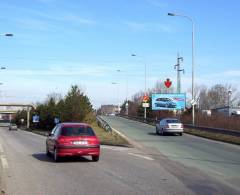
x=165, y=134
x=43, y=157
x=152, y=133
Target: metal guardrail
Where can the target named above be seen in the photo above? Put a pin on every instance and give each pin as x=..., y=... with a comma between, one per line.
x=102, y=123
x=151, y=121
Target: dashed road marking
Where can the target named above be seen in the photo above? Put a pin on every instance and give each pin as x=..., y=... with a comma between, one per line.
x=141, y=156
x=4, y=162
x=125, y=149
x=114, y=148
x=1, y=149
x=3, y=158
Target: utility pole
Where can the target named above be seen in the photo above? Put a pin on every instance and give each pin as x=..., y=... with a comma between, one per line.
x=179, y=70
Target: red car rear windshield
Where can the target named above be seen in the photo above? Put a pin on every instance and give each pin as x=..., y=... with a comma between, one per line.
x=77, y=131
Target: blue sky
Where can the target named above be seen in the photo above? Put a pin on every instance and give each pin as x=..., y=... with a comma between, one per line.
x=57, y=43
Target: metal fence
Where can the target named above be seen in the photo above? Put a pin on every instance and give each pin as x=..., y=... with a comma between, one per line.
x=102, y=123
x=152, y=121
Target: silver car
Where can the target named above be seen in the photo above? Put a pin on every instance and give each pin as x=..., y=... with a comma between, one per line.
x=169, y=125
x=12, y=127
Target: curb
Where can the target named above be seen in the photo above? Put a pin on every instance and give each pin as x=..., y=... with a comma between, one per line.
x=129, y=140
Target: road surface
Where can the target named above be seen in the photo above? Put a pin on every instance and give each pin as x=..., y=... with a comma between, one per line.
x=216, y=159
x=25, y=169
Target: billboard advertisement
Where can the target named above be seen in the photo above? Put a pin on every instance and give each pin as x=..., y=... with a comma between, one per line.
x=169, y=101
x=35, y=119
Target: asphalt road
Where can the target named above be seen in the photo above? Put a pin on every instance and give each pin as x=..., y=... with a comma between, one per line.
x=25, y=169
x=216, y=160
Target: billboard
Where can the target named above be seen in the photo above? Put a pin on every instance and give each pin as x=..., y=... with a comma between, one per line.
x=169, y=101
x=35, y=119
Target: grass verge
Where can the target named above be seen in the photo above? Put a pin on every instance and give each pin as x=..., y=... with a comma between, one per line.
x=106, y=138
x=109, y=138
x=214, y=136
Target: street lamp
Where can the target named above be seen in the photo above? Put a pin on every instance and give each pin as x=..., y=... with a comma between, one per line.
x=229, y=99
x=193, y=61
x=126, y=90
x=7, y=34
x=2, y=68
x=145, y=85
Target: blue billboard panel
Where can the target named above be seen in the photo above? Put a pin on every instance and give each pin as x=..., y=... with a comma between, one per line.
x=169, y=101
x=35, y=119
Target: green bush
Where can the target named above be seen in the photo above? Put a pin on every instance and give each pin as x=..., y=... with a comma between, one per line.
x=74, y=107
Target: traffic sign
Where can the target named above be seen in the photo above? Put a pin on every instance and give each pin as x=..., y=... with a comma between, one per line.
x=146, y=98
x=35, y=119
x=56, y=120
x=145, y=105
x=193, y=102
x=168, y=83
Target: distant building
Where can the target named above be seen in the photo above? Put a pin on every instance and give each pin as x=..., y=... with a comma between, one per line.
x=207, y=112
x=109, y=109
x=232, y=111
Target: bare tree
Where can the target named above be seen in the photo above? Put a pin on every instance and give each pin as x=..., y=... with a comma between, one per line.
x=217, y=96
x=161, y=88
x=137, y=97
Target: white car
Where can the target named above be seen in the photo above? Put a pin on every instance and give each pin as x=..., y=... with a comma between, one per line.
x=169, y=125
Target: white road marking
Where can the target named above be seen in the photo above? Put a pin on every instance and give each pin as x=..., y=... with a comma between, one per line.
x=218, y=173
x=114, y=148
x=3, y=158
x=4, y=162
x=124, y=149
x=1, y=149
x=141, y=156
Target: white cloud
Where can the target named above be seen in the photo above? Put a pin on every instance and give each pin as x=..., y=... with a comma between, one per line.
x=34, y=24
x=79, y=70
x=157, y=3
x=149, y=27
x=234, y=73
x=46, y=1
x=64, y=17
x=77, y=19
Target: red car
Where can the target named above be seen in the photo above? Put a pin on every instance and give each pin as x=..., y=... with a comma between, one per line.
x=73, y=139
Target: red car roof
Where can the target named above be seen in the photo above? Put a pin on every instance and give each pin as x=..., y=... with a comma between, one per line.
x=74, y=124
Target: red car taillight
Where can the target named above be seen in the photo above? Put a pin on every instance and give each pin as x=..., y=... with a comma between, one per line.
x=62, y=141
x=93, y=141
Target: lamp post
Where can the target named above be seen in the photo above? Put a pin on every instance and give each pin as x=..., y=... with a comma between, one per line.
x=229, y=99
x=126, y=90
x=193, y=61
x=6, y=34
x=145, y=84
